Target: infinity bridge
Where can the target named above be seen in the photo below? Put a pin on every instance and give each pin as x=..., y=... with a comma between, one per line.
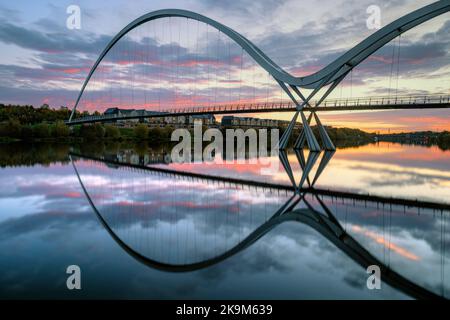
x=321, y=83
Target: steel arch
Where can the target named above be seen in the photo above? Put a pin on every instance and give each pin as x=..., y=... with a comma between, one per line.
x=329, y=74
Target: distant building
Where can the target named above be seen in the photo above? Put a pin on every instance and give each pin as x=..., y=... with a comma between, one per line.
x=228, y=121
x=206, y=119
x=131, y=113
x=162, y=121
x=175, y=121
x=232, y=121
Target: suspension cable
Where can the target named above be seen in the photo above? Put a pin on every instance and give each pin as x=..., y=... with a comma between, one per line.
x=240, y=77
x=217, y=67
x=392, y=70
x=171, y=55
x=351, y=84
x=229, y=69
x=208, y=63
x=146, y=62
x=161, y=62
x=177, y=93
x=197, y=64
x=398, y=64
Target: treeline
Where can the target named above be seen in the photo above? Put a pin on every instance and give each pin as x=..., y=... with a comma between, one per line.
x=111, y=132
x=422, y=138
x=30, y=115
x=347, y=134
x=443, y=140
x=30, y=154
x=14, y=130
x=47, y=153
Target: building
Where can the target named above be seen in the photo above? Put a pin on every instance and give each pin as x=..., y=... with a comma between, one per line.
x=206, y=119
x=232, y=121
x=229, y=121
x=175, y=121
x=188, y=121
x=156, y=121
x=163, y=120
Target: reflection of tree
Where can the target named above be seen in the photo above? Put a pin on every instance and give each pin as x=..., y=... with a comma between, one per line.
x=443, y=140
x=99, y=148
x=20, y=154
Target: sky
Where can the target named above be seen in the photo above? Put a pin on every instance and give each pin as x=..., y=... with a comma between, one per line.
x=175, y=62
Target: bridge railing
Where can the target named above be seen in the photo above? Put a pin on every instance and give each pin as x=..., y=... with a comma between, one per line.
x=281, y=105
x=383, y=100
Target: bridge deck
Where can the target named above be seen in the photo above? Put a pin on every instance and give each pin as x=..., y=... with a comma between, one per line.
x=358, y=104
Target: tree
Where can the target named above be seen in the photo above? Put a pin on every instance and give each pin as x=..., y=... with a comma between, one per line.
x=141, y=131
x=27, y=132
x=41, y=130
x=60, y=129
x=12, y=129
x=99, y=130
x=155, y=134
x=112, y=132
x=95, y=131
x=167, y=132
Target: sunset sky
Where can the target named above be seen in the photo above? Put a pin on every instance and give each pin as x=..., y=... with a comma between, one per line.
x=176, y=62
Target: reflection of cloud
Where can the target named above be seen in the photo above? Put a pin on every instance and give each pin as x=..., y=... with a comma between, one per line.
x=389, y=245
x=18, y=227
x=172, y=215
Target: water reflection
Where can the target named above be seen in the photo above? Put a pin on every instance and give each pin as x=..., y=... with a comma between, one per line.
x=182, y=221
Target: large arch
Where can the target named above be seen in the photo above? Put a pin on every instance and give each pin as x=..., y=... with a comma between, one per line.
x=329, y=74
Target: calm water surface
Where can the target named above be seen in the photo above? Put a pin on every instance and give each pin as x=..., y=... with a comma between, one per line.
x=152, y=233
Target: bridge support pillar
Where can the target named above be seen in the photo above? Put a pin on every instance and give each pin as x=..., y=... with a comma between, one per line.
x=306, y=134
x=303, y=137
x=311, y=140
x=288, y=133
x=327, y=143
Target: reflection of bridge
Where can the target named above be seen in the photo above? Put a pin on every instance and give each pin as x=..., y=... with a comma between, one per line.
x=321, y=220
x=357, y=104
x=266, y=186
x=328, y=78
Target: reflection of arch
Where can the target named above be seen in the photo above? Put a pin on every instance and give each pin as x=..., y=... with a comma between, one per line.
x=325, y=224
x=331, y=74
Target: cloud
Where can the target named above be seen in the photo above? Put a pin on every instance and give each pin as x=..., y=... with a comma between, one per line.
x=54, y=42
x=299, y=36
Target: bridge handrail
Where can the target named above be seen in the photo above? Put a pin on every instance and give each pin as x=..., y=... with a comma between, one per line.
x=338, y=102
